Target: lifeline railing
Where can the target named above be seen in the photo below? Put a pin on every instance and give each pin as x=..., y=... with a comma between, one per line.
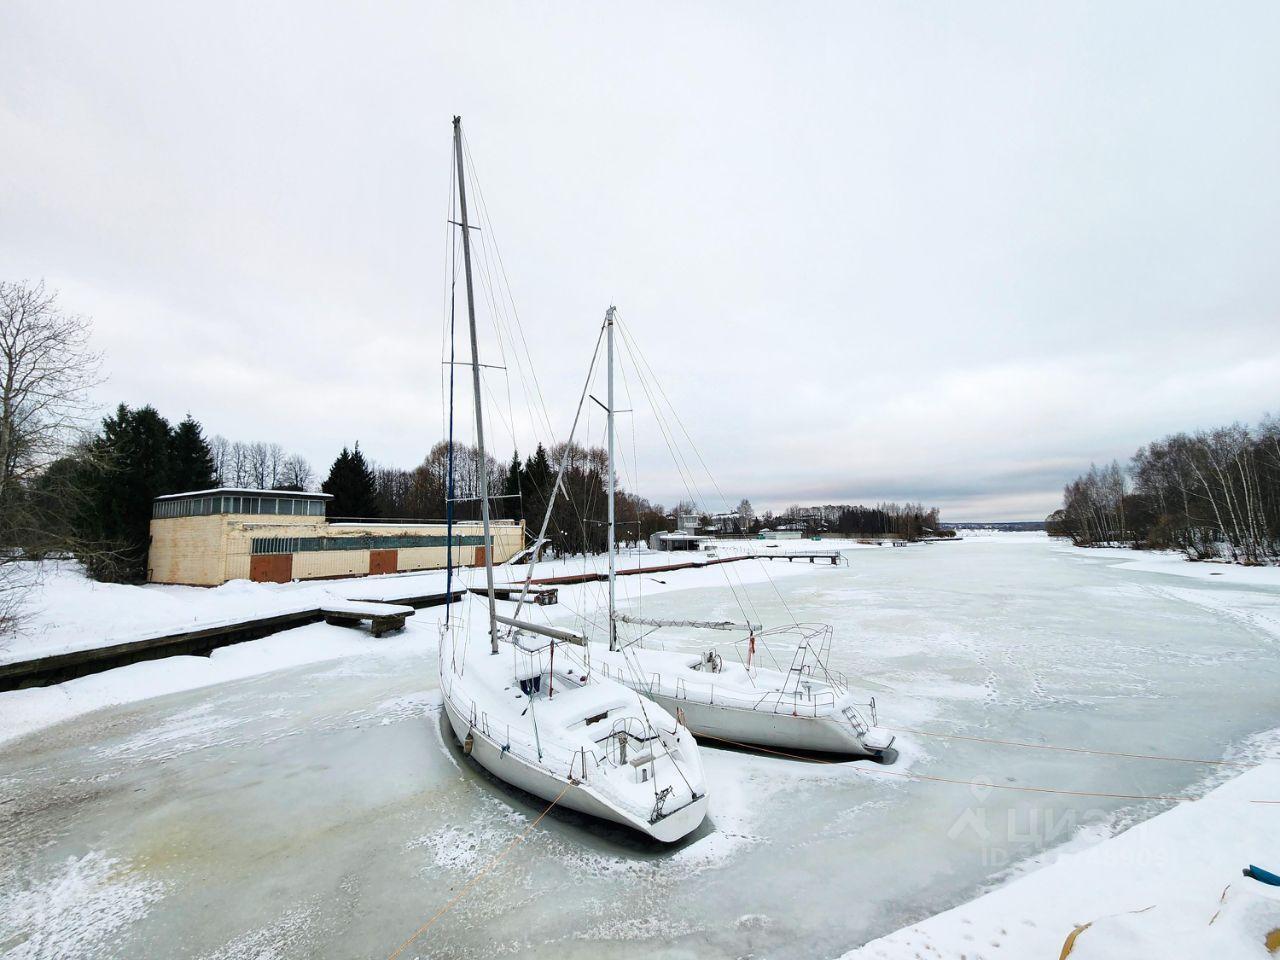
x=548, y=755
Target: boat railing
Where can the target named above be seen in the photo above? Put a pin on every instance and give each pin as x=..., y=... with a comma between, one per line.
x=547, y=755
x=581, y=763
x=800, y=704
x=853, y=713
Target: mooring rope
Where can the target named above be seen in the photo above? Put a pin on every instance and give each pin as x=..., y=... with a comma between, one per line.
x=1050, y=746
x=476, y=879
x=955, y=780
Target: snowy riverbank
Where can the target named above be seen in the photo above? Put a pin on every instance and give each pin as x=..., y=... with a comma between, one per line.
x=68, y=611
x=304, y=801
x=1170, y=887
x=1175, y=563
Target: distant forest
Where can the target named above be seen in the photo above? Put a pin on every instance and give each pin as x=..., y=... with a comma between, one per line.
x=520, y=490
x=1209, y=494
x=70, y=487
x=95, y=501
x=911, y=521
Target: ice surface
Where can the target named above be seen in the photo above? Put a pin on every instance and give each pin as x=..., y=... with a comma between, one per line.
x=1170, y=887
x=323, y=810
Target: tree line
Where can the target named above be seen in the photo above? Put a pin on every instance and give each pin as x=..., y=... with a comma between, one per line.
x=258, y=465
x=96, y=498
x=910, y=521
x=72, y=489
x=519, y=490
x=1213, y=493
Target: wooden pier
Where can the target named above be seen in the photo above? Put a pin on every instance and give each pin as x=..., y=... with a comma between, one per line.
x=383, y=615
x=813, y=556
x=60, y=667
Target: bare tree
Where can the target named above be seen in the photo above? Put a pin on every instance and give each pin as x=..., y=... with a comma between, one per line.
x=295, y=472
x=46, y=371
x=259, y=465
x=223, y=473
x=238, y=465
x=274, y=464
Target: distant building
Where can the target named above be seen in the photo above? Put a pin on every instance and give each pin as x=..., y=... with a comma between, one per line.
x=786, y=532
x=676, y=540
x=811, y=518
x=688, y=522
x=726, y=523
x=208, y=537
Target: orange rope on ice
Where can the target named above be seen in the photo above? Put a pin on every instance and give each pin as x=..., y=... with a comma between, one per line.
x=972, y=783
x=476, y=879
x=1049, y=746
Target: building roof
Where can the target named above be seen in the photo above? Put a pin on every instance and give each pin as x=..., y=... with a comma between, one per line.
x=242, y=491
x=681, y=535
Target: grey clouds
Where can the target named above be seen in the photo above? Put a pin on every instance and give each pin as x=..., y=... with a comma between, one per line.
x=930, y=251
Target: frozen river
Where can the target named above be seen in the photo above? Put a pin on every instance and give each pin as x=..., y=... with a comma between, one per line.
x=321, y=811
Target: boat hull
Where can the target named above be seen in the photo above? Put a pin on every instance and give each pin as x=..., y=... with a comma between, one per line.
x=578, y=796
x=781, y=731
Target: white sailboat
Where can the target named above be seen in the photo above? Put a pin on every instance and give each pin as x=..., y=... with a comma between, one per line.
x=805, y=706
x=526, y=705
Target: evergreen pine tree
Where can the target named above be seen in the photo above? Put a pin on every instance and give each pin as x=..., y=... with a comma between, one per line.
x=354, y=487
x=191, y=459
x=538, y=478
x=131, y=466
x=512, y=506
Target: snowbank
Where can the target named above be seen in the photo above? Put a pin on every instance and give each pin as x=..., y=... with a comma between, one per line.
x=1176, y=563
x=68, y=611
x=25, y=711
x=1170, y=888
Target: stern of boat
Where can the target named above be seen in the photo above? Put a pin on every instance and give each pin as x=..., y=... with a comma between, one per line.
x=678, y=824
x=859, y=722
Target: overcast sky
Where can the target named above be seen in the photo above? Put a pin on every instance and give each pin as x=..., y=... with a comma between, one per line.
x=945, y=252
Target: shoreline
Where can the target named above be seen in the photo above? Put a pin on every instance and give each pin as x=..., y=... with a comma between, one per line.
x=1168, y=886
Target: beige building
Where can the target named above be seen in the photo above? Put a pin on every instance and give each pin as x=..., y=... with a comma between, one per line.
x=208, y=537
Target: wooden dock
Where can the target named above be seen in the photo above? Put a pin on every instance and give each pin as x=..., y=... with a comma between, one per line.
x=813, y=556
x=383, y=615
x=60, y=667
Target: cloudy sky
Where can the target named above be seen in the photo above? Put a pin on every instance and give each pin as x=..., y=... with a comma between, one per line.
x=941, y=252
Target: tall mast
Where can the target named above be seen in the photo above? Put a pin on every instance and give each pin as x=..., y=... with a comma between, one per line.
x=613, y=567
x=475, y=383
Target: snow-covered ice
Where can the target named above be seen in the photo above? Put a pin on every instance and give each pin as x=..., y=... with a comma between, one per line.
x=1170, y=887
x=299, y=796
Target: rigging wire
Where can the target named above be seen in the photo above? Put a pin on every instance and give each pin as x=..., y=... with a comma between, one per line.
x=681, y=465
x=634, y=346
x=929, y=778
x=1050, y=746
